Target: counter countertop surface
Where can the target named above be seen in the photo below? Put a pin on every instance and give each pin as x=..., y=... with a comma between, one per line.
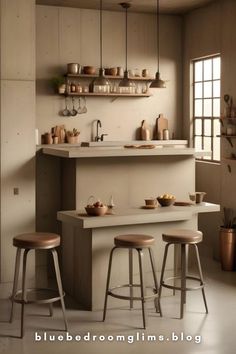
x=135, y=215
x=105, y=151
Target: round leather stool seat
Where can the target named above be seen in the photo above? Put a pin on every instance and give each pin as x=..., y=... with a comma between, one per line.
x=134, y=241
x=182, y=236
x=36, y=240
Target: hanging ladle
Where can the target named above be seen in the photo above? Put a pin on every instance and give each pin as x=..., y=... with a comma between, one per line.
x=80, y=109
x=73, y=111
x=66, y=111
x=84, y=109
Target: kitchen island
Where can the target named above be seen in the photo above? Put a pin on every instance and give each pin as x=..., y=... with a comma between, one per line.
x=87, y=241
x=129, y=175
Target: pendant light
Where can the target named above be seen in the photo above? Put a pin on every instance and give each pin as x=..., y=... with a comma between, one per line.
x=126, y=82
x=101, y=80
x=158, y=83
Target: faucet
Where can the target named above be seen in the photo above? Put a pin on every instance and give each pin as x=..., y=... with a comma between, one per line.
x=102, y=136
x=97, y=137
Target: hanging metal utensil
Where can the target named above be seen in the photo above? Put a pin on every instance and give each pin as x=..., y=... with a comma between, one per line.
x=66, y=111
x=73, y=111
x=84, y=109
x=79, y=109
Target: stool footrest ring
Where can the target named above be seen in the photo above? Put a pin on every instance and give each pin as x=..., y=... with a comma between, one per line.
x=173, y=287
x=135, y=298
x=37, y=295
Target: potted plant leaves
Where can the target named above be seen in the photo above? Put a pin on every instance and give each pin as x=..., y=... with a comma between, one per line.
x=58, y=84
x=228, y=240
x=72, y=136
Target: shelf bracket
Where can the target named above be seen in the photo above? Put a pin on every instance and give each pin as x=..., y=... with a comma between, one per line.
x=229, y=168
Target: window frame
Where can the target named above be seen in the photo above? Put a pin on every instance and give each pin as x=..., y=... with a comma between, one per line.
x=202, y=118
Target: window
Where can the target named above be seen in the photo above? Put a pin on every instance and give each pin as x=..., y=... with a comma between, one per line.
x=206, y=106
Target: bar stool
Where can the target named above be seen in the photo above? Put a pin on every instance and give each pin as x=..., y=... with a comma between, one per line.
x=137, y=242
x=184, y=238
x=36, y=241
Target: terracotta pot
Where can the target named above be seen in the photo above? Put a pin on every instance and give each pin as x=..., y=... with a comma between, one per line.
x=89, y=70
x=227, y=248
x=73, y=139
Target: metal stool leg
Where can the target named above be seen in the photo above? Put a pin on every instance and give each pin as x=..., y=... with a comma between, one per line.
x=24, y=300
x=201, y=276
x=131, y=277
x=183, y=279
x=51, y=310
x=59, y=284
x=15, y=283
x=163, y=267
x=108, y=282
x=157, y=300
x=142, y=285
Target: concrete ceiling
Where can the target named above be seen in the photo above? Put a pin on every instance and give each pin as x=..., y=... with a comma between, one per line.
x=166, y=6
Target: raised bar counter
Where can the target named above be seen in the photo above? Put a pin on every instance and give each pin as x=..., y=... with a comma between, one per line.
x=87, y=241
x=129, y=216
x=118, y=151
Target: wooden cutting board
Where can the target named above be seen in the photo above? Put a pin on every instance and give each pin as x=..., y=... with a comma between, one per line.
x=161, y=124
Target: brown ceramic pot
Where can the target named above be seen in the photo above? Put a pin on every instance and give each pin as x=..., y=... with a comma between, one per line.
x=227, y=248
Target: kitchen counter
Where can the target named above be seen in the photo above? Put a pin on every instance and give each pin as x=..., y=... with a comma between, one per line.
x=118, y=151
x=138, y=215
x=87, y=241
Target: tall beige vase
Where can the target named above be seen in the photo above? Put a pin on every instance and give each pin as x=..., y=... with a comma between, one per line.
x=227, y=248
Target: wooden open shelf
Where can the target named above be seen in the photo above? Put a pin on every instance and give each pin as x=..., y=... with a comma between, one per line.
x=113, y=77
x=77, y=94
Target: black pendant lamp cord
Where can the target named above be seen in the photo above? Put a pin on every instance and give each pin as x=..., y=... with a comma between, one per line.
x=158, y=36
x=126, y=40
x=100, y=33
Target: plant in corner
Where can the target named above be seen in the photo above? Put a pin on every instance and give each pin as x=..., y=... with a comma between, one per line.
x=228, y=240
x=58, y=83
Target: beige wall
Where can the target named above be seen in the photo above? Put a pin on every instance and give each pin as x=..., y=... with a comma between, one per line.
x=209, y=31
x=228, y=36
x=202, y=37
x=17, y=128
x=72, y=35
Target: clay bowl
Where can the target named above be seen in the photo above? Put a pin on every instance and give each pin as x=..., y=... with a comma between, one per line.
x=96, y=211
x=165, y=201
x=89, y=70
x=113, y=71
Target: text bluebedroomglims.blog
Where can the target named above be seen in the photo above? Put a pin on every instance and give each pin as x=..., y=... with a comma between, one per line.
x=130, y=339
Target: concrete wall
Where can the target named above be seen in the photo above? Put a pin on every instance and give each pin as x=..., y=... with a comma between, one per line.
x=208, y=31
x=228, y=44
x=17, y=142
x=72, y=35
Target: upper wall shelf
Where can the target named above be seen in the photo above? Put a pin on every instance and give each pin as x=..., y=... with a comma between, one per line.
x=83, y=86
x=107, y=94
x=113, y=77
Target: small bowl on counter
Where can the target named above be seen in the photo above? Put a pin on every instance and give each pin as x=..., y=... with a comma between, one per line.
x=166, y=201
x=96, y=211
